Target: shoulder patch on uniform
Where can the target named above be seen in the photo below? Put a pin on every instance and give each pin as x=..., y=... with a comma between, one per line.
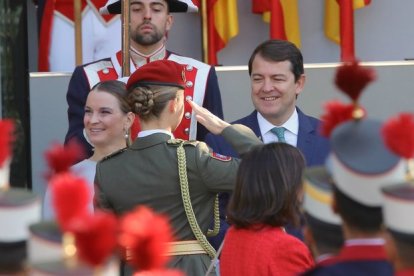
x=220, y=157
x=114, y=154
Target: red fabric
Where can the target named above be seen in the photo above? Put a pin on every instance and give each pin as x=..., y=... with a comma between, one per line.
x=6, y=140
x=327, y=261
x=367, y=2
x=269, y=251
x=215, y=42
x=335, y=114
x=408, y=272
x=277, y=20
x=64, y=7
x=347, y=30
x=180, y=131
x=71, y=196
x=398, y=134
x=61, y=157
x=352, y=78
x=362, y=253
x=160, y=72
x=95, y=236
x=260, y=6
x=146, y=235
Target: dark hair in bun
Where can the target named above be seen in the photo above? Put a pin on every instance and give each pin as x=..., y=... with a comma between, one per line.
x=150, y=100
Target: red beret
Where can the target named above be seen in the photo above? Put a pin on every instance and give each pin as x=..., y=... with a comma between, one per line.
x=160, y=72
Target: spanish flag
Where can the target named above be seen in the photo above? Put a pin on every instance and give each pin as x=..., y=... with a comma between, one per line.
x=222, y=25
x=339, y=24
x=283, y=17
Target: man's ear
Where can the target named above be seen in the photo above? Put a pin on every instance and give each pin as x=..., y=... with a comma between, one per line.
x=300, y=83
x=169, y=23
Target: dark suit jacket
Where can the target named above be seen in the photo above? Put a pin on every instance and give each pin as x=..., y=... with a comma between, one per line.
x=314, y=147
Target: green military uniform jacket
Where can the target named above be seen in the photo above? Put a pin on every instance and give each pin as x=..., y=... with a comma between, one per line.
x=147, y=173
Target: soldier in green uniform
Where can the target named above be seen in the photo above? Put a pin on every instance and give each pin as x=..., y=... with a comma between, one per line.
x=174, y=177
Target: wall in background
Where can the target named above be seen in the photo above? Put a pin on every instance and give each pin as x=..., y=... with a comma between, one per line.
x=381, y=100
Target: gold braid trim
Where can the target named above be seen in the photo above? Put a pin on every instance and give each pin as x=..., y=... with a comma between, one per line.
x=216, y=211
x=185, y=193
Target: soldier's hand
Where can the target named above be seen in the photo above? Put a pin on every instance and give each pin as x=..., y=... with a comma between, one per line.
x=213, y=123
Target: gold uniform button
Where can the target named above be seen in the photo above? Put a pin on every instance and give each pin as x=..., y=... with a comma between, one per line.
x=189, y=84
x=187, y=115
x=188, y=98
x=186, y=130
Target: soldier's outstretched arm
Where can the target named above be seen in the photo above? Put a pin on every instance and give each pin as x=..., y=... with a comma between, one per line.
x=213, y=123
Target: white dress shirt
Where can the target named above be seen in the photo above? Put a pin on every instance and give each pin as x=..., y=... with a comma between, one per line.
x=291, y=129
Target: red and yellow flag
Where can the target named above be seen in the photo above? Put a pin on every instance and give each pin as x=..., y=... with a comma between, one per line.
x=222, y=25
x=339, y=24
x=283, y=17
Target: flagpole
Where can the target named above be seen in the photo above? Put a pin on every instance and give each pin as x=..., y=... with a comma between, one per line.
x=77, y=10
x=347, y=30
x=125, y=5
x=204, y=26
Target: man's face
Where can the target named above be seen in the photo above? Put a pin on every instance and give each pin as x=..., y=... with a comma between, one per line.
x=274, y=89
x=150, y=21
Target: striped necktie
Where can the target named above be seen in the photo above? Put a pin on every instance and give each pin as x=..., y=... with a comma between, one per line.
x=280, y=133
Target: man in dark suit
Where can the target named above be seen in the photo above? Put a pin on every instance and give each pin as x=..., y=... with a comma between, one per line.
x=277, y=78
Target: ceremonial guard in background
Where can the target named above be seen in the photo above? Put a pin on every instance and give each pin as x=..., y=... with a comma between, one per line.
x=150, y=22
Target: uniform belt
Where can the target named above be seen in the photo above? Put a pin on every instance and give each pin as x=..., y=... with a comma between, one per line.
x=185, y=248
x=178, y=248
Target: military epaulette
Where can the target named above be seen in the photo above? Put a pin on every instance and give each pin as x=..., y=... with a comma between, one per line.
x=177, y=142
x=114, y=154
x=193, y=143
